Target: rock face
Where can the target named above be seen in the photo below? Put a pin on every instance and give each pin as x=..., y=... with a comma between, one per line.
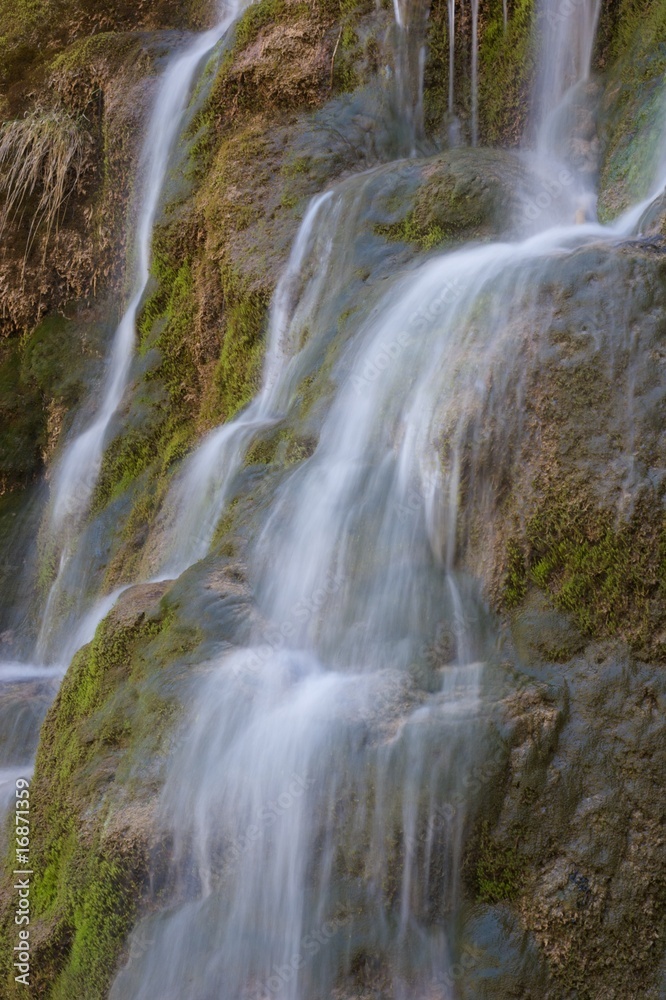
x=576, y=849
x=564, y=892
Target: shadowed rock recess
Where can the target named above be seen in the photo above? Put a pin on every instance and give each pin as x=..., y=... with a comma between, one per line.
x=333, y=618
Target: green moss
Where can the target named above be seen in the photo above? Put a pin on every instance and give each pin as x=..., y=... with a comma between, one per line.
x=22, y=421
x=52, y=359
x=103, y=915
x=436, y=78
x=632, y=112
x=124, y=460
x=41, y=373
x=109, y=714
x=446, y=209
x=264, y=451
x=409, y=230
x=22, y=23
x=256, y=17
x=238, y=370
x=499, y=870
x=608, y=574
x=515, y=583
x=506, y=68
x=166, y=325
x=109, y=45
x=140, y=461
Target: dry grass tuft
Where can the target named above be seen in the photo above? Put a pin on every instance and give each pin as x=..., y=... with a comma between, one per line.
x=43, y=152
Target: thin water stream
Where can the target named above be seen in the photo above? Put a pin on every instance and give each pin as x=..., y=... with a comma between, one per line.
x=77, y=471
x=75, y=475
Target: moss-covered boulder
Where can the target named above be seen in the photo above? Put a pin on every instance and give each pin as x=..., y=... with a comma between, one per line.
x=94, y=792
x=577, y=503
x=568, y=855
x=458, y=196
x=633, y=129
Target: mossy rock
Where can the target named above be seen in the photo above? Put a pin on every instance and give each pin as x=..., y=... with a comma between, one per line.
x=506, y=71
x=101, y=750
x=580, y=513
x=458, y=196
x=632, y=121
x=23, y=430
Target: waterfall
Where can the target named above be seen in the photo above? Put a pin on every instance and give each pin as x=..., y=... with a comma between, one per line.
x=27, y=689
x=451, y=9
x=563, y=146
x=202, y=490
x=410, y=25
x=567, y=30
x=475, y=72
x=325, y=751
x=273, y=714
x=330, y=728
x=76, y=473
x=318, y=808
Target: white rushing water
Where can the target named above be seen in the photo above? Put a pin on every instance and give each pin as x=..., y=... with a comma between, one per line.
x=475, y=72
x=76, y=473
x=317, y=806
x=331, y=730
x=411, y=18
x=318, y=799
x=567, y=34
x=25, y=688
x=451, y=12
x=201, y=491
x=563, y=107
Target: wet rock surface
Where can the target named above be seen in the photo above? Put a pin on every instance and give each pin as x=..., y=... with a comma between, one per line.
x=587, y=742
x=564, y=892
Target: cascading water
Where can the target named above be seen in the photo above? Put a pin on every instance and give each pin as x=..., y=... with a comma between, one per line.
x=202, y=490
x=451, y=13
x=563, y=106
x=305, y=806
x=76, y=474
x=27, y=690
x=317, y=809
x=77, y=471
x=475, y=72
x=567, y=34
x=341, y=719
x=411, y=17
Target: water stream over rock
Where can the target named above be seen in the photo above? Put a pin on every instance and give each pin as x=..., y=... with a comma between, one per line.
x=75, y=476
x=315, y=808
x=305, y=808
